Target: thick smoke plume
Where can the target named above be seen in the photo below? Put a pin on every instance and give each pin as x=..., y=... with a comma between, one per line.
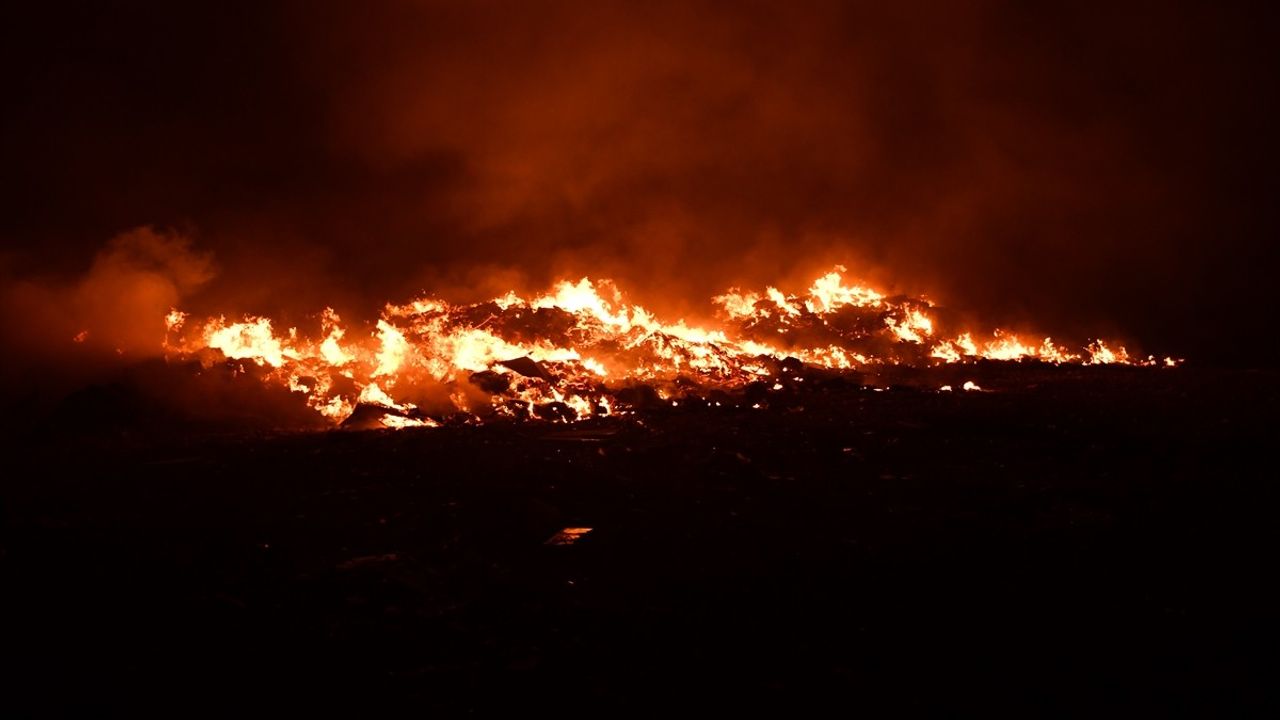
x=1089, y=168
x=60, y=332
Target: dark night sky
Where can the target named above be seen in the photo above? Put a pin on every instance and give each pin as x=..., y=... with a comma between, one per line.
x=1095, y=167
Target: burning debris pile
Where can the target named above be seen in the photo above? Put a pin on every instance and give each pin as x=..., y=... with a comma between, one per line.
x=581, y=351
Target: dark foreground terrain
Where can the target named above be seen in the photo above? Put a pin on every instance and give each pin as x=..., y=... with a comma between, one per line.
x=1068, y=542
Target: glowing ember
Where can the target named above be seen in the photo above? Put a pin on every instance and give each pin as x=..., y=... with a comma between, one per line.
x=572, y=352
x=568, y=536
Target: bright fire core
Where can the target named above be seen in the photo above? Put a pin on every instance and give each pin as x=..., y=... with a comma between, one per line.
x=566, y=354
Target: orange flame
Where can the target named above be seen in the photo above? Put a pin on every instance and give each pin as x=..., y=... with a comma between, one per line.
x=573, y=347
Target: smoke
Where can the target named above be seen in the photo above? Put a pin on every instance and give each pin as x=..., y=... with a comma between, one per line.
x=1090, y=168
x=62, y=332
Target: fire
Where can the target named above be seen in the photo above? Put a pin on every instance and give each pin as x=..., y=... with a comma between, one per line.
x=573, y=351
x=253, y=340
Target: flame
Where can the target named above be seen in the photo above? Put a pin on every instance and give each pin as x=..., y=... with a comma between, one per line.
x=252, y=339
x=174, y=319
x=569, y=353
x=913, y=327
x=830, y=293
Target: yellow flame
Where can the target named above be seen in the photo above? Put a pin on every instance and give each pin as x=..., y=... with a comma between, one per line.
x=596, y=338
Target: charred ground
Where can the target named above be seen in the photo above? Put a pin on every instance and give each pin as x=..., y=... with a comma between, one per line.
x=1068, y=540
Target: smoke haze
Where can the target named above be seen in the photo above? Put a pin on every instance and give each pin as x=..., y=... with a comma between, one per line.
x=1087, y=168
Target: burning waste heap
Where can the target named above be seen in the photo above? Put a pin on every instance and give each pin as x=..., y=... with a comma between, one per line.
x=581, y=351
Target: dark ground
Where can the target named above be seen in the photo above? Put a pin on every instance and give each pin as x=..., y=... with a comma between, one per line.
x=1074, y=541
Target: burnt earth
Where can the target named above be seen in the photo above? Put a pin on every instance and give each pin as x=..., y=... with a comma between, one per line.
x=1072, y=540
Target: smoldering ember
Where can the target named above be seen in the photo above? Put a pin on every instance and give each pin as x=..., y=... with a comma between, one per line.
x=638, y=358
